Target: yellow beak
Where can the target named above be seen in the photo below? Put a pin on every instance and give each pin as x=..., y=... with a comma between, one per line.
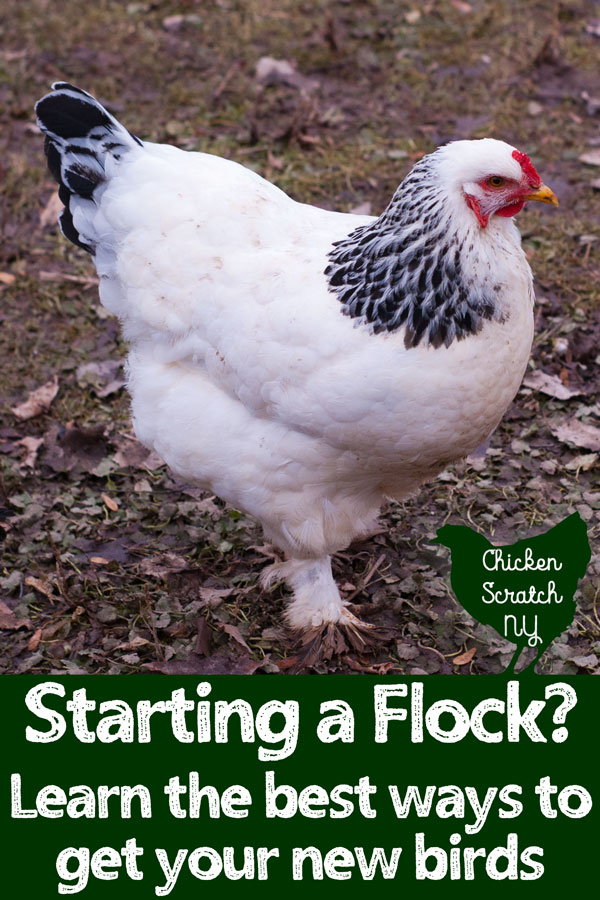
x=544, y=194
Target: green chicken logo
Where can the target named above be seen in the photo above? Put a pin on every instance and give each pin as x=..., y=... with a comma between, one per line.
x=523, y=590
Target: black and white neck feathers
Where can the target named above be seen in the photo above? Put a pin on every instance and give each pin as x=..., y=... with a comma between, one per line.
x=416, y=265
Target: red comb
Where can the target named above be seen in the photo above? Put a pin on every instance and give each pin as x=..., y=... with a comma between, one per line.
x=527, y=166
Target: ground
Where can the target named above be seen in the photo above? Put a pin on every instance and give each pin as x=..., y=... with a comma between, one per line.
x=110, y=564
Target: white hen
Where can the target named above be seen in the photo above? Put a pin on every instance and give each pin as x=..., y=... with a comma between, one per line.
x=302, y=364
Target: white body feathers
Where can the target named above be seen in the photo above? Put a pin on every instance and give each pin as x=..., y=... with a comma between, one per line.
x=247, y=378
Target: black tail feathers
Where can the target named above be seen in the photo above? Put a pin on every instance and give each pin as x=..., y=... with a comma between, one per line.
x=80, y=135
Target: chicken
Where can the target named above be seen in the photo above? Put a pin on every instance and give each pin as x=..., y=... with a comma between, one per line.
x=523, y=590
x=302, y=364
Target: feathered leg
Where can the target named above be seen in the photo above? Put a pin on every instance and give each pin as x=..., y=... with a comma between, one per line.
x=317, y=612
x=317, y=601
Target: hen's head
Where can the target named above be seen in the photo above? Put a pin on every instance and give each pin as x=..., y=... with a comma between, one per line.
x=420, y=265
x=489, y=178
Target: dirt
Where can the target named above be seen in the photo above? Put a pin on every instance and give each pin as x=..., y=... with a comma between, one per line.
x=110, y=563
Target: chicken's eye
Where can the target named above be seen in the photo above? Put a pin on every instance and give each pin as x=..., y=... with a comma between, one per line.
x=496, y=181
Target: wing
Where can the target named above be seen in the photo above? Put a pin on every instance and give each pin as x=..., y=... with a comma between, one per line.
x=217, y=269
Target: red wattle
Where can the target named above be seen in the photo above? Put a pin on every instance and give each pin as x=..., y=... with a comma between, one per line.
x=511, y=210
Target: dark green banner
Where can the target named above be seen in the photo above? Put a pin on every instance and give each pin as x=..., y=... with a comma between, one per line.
x=184, y=787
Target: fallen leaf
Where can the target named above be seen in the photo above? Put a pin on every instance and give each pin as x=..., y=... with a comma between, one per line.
x=42, y=587
x=74, y=449
x=214, y=596
x=34, y=641
x=31, y=445
x=114, y=551
x=406, y=651
x=161, y=565
x=38, y=401
x=592, y=103
x=385, y=668
x=30, y=662
x=584, y=662
x=591, y=158
x=275, y=634
x=135, y=642
x=287, y=662
x=593, y=27
x=464, y=658
x=101, y=377
x=202, y=644
x=174, y=23
x=549, y=384
x=8, y=620
x=282, y=71
x=217, y=664
x=50, y=630
x=130, y=453
x=462, y=6
x=582, y=463
x=11, y=56
x=7, y=278
x=12, y=581
x=99, y=560
x=476, y=462
x=107, y=614
x=236, y=635
x=357, y=666
x=113, y=505
x=578, y=433
x=51, y=211
x=368, y=669
x=308, y=138
x=132, y=659
x=549, y=466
